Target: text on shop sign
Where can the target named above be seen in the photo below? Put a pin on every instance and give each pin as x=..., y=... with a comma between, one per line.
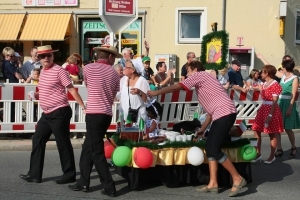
x=101, y=25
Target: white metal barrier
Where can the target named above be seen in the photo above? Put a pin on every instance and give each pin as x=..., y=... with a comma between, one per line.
x=177, y=106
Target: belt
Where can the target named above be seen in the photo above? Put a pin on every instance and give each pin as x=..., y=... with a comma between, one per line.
x=285, y=96
x=268, y=102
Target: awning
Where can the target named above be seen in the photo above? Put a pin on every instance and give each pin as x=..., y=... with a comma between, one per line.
x=45, y=27
x=10, y=25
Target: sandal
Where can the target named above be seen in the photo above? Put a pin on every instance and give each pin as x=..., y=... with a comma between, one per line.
x=238, y=188
x=279, y=153
x=292, y=155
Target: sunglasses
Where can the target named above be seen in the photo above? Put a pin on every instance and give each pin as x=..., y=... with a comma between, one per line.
x=49, y=55
x=128, y=68
x=11, y=56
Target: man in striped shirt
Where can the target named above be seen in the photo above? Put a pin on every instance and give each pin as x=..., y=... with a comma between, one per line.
x=221, y=112
x=103, y=83
x=55, y=119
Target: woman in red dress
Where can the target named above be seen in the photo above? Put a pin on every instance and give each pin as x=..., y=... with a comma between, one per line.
x=268, y=118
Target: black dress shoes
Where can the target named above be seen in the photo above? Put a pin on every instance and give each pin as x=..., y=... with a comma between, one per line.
x=111, y=194
x=65, y=180
x=78, y=187
x=29, y=179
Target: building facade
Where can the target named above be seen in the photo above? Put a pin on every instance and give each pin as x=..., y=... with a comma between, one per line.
x=172, y=27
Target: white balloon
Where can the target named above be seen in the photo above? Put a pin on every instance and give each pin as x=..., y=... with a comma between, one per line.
x=195, y=156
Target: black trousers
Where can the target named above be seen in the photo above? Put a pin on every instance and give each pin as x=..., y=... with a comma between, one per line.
x=58, y=123
x=93, y=151
x=218, y=135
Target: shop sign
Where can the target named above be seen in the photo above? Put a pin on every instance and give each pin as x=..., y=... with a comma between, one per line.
x=129, y=41
x=116, y=7
x=94, y=41
x=46, y=3
x=100, y=26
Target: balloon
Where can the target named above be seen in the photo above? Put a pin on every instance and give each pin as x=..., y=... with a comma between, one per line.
x=121, y=156
x=108, y=149
x=195, y=156
x=143, y=157
x=152, y=87
x=248, y=152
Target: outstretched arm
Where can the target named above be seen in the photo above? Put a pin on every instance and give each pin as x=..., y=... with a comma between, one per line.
x=165, y=90
x=261, y=57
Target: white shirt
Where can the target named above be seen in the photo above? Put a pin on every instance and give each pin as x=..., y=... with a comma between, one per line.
x=136, y=101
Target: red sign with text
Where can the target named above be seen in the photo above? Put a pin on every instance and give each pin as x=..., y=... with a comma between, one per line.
x=122, y=7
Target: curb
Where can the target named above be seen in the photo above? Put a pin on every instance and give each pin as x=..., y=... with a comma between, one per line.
x=8, y=144
x=26, y=145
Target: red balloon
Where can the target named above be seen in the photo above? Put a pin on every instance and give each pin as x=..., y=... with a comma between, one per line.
x=108, y=149
x=143, y=157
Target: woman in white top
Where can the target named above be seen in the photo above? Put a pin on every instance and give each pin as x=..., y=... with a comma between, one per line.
x=138, y=87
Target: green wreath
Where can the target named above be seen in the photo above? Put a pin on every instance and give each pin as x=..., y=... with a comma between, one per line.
x=220, y=35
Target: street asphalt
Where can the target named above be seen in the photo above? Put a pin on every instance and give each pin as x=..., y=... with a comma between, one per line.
x=279, y=180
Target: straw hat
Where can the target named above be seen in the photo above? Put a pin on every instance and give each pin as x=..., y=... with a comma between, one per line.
x=110, y=49
x=45, y=49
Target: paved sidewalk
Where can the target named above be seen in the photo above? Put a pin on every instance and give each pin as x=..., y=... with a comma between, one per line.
x=19, y=144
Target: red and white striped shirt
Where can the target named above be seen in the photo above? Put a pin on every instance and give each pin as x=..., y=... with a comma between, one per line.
x=210, y=93
x=103, y=83
x=52, y=88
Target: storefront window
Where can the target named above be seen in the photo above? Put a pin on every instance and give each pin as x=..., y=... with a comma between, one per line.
x=93, y=33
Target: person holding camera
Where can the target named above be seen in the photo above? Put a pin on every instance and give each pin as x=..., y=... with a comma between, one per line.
x=133, y=93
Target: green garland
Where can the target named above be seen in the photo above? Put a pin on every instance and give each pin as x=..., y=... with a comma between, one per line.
x=201, y=144
x=225, y=41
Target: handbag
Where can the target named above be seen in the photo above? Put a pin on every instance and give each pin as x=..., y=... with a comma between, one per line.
x=132, y=112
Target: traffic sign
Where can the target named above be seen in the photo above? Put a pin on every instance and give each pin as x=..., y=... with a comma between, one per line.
x=118, y=15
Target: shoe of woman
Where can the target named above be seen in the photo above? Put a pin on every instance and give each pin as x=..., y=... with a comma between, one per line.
x=259, y=159
x=278, y=153
x=270, y=162
x=292, y=154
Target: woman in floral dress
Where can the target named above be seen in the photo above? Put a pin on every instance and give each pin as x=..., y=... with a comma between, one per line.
x=289, y=83
x=268, y=118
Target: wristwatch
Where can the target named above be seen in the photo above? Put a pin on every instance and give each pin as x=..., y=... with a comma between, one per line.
x=140, y=93
x=270, y=115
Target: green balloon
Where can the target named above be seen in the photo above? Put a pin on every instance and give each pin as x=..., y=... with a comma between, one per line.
x=248, y=152
x=152, y=87
x=121, y=156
